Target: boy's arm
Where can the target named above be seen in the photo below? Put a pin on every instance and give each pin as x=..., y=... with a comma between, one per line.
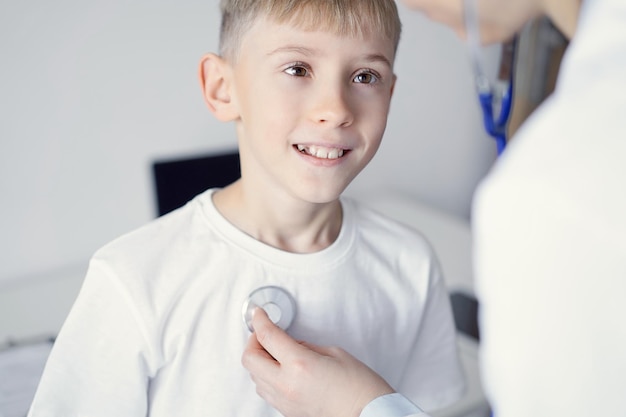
x=306, y=380
x=434, y=376
x=99, y=364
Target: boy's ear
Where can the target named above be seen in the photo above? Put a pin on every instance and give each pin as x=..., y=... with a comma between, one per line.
x=215, y=81
x=393, y=84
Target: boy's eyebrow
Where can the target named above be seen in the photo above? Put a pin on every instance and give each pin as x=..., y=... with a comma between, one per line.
x=378, y=58
x=293, y=48
x=310, y=52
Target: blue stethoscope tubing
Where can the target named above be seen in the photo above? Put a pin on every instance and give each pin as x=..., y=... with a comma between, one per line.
x=496, y=126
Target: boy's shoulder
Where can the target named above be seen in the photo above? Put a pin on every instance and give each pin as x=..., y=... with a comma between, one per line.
x=154, y=239
x=373, y=223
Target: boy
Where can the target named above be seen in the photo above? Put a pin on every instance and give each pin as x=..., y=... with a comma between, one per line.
x=157, y=327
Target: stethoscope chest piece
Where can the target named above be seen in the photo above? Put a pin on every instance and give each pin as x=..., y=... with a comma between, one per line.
x=277, y=303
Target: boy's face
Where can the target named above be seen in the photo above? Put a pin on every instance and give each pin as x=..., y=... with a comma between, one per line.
x=312, y=108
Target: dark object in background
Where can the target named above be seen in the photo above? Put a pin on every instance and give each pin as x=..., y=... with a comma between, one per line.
x=465, y=311
x=179, y=180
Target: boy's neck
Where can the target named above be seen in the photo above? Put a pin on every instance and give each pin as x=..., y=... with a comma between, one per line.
x=292, y=226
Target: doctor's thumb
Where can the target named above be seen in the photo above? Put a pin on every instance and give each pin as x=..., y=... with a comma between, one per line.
x=260, y=320
x=272, y=338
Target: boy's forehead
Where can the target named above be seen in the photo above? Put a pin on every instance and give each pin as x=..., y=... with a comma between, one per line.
x=349, y=18
x=283, y=37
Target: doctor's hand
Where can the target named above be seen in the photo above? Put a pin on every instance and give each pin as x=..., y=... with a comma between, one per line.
x=304, y=380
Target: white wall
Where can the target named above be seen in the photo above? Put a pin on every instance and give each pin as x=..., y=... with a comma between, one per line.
x=92, y=91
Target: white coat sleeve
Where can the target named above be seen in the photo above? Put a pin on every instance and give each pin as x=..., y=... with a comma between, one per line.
x=392, y=405
x=550, y=276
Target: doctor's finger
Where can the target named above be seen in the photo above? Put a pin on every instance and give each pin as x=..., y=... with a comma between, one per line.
x=257, y=361
x=275, y=340
x=265, y=388
x=254, y=348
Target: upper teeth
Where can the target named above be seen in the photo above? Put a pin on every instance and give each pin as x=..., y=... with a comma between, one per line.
x=321, y=152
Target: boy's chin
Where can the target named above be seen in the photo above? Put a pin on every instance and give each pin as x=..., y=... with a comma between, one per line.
x=322, y=196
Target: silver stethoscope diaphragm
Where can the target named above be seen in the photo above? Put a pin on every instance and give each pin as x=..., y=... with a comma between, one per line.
x=277, y=303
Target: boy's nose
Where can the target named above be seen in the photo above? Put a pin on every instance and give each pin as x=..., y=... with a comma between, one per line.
x=332, y=107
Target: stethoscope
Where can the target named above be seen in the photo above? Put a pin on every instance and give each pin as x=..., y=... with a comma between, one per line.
x=500, y=95
x=277, y=303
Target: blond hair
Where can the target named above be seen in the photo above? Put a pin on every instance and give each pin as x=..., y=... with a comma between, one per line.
x=342, y=17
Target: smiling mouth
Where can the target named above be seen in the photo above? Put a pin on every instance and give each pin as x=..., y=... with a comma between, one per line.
x=321, y=151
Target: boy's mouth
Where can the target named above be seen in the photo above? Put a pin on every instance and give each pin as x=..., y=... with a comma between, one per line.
x=321, y=151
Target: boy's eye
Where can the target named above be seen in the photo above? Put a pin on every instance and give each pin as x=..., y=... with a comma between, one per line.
x=297, y=71
x=365, y=78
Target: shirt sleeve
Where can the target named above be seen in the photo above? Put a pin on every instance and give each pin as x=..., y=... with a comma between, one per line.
x=101, y=362
x=392, y=405
x=435, y=378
